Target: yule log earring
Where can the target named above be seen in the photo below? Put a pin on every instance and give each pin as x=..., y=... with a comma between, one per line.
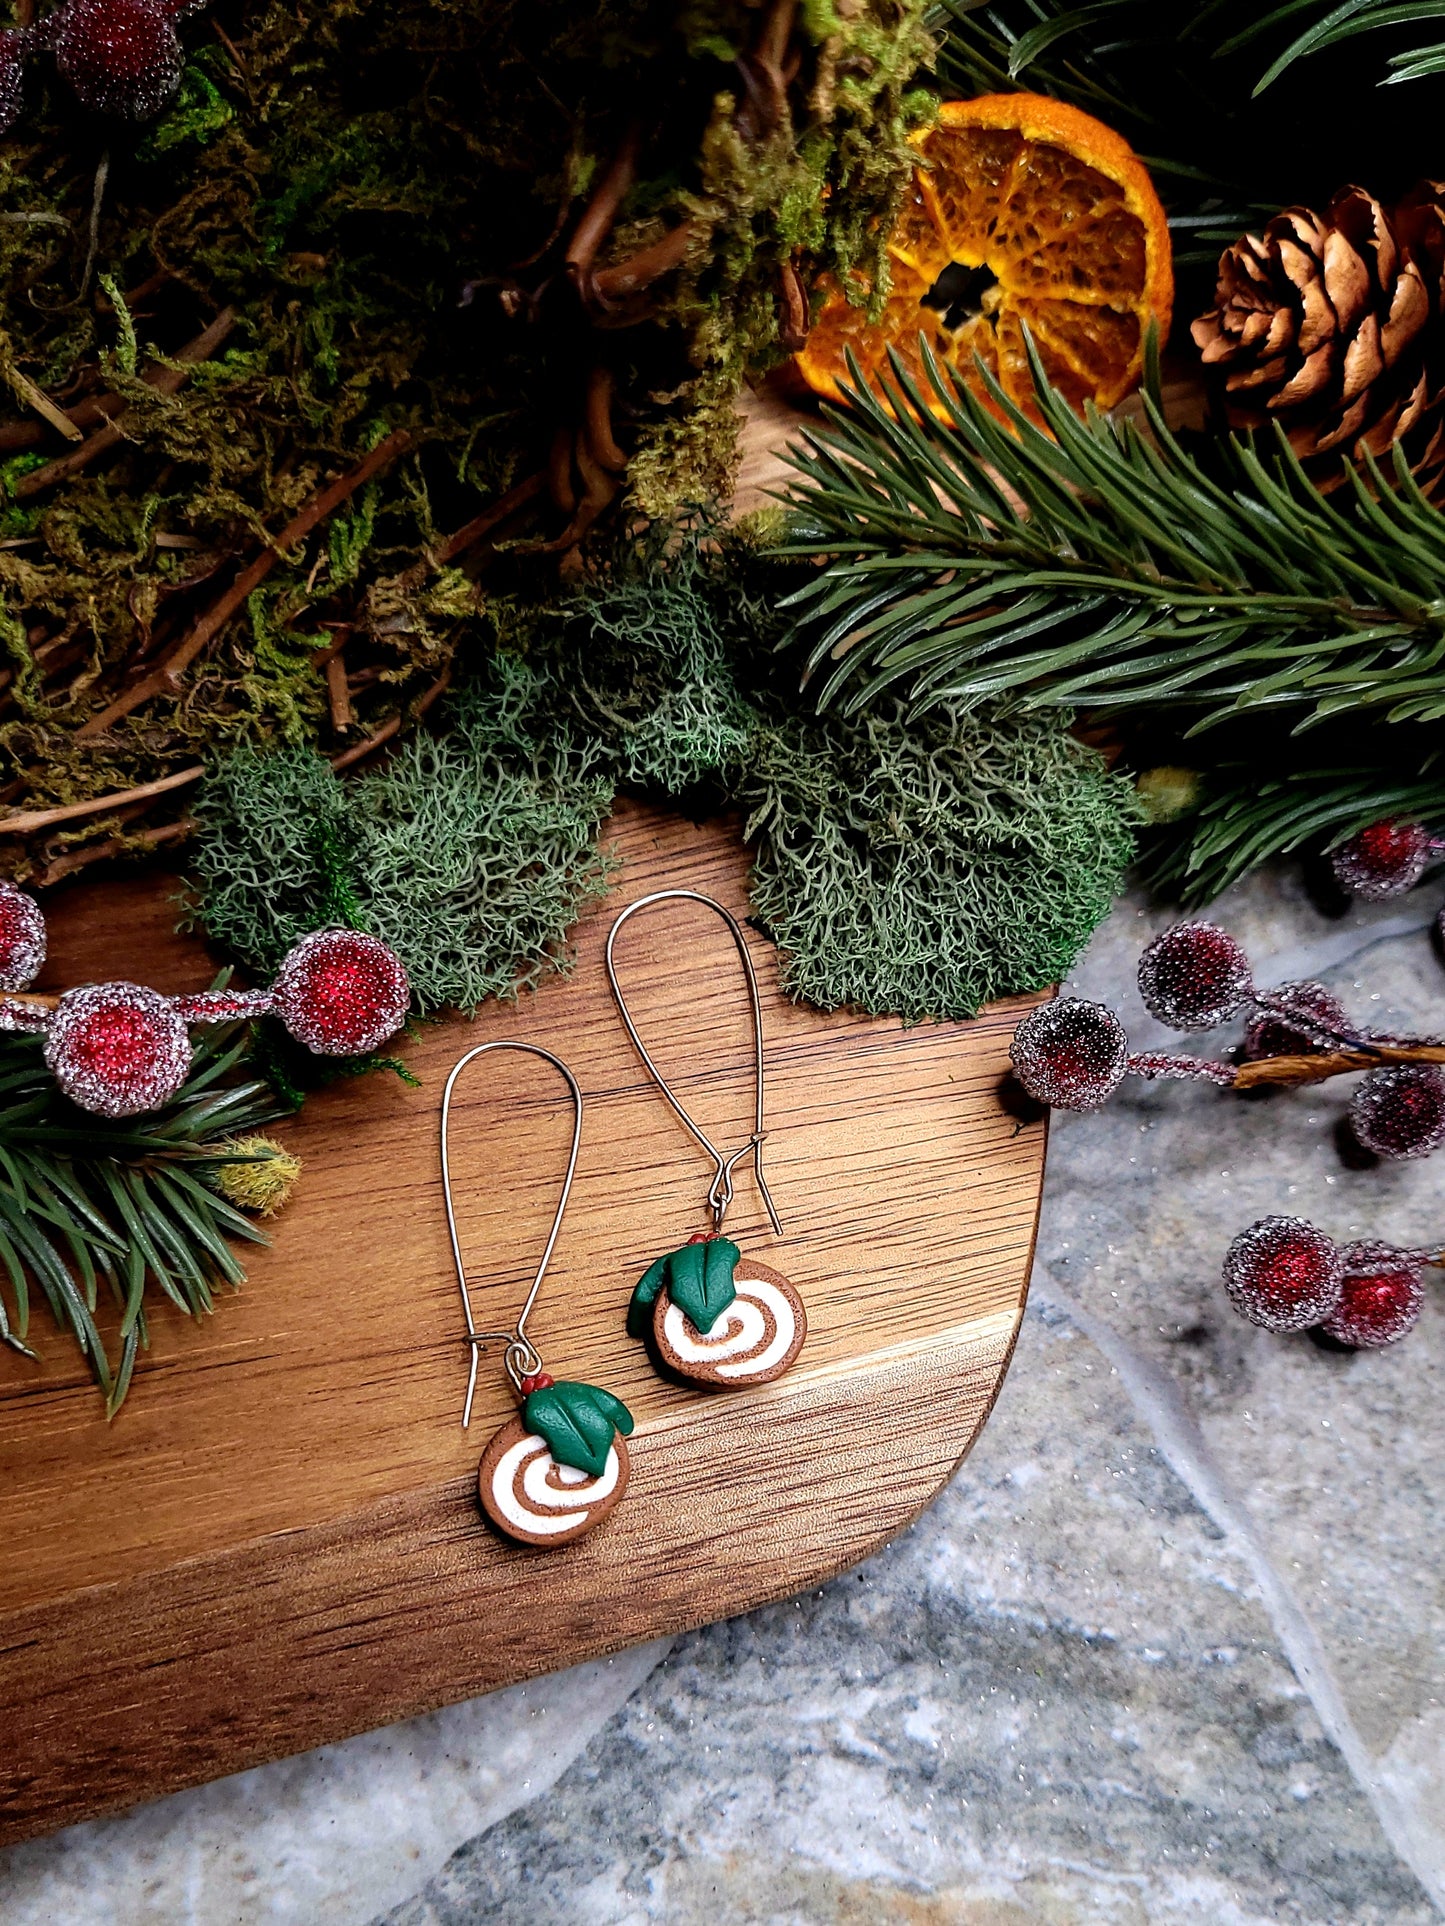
x=714, y=1316
x=558, y=1470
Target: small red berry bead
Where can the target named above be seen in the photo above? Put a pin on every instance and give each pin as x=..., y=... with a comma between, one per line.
x=536, y=1381
x=341, y=993
x=1070, y=1054
x=1384, y=860
x=1283, y=1274
x=1194, y=977
x=22, y=938
x=122, y=57
x=1381, y=1297
x=1400, y=1111
x=1272, y=1034
x=117, y=1049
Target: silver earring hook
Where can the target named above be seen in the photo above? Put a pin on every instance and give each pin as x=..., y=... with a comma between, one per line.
x=720, y=1193
x=521, y=1356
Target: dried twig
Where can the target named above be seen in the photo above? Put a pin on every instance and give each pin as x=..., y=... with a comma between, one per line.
x=33, y=819
x=165, y=379
x=1316, y=1067
x=392, y=727
x=164, y=679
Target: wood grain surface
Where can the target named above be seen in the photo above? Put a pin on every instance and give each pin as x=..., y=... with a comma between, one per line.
x=278, y=1543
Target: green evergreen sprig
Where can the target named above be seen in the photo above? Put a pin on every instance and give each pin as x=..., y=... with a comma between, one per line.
x=129, y=1205
x=1097, y=563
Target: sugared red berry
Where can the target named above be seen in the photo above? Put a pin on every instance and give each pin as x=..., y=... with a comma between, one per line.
x=1194, y=977
x=22, y=938
x=341, y=993
x=1380, y=1299
x=1400, y=1112
x=13, y=48
x=1272, y=1034
x=122, y=57
x=117, y=1048
x=1070, y=1054
x=1384, y=860
x=1283, y=1274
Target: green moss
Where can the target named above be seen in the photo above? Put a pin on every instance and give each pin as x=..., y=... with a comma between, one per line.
x=926, y=868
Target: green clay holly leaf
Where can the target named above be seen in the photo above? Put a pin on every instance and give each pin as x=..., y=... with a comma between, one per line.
x=578, y=1422
x=639, y=1311
x=700, y=1281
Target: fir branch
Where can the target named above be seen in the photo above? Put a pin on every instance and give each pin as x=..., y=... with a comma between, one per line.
x=1248, y=816
x=1338, y=23
x=128, y=1205
x=1097, y=563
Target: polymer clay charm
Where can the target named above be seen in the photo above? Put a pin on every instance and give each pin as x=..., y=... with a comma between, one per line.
x=556, y=1471
x=711, y=1315
x=745, y=1327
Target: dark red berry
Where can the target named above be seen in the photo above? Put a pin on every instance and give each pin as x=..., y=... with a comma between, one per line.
x=1271, y=1034
x=1381, y=1297
x=122, y=57
x=117, y=1048
x=22, y=938
x=1283, y=1274
x=1400, y=1112
x=536, y=1381
x=1384, y=860
x=1070, y=1054
x=1194, y=977
x=341, y=993
x=13, y=48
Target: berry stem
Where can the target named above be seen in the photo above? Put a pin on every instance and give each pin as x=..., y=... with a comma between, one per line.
x=1318, y=1067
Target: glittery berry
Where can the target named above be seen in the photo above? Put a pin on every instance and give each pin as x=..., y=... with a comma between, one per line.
x=341, y=993
x=1271, y=1034
x=1194, y=977
x=13, y=48
x=1381, y=1298
x=117, y=1048
x=1070, y=1054
x=22, y=938
x=122, y=57
x=1283, y=1274
x=1384, y=860
x=1400, y=1112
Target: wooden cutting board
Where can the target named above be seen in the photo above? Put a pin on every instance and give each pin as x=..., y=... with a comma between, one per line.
x=278, y=1543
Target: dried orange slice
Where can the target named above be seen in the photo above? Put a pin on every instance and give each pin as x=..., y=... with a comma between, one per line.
x=1023, y=211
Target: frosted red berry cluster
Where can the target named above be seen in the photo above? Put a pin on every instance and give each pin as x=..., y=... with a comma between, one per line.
x=121, y=58
x=1285, y=1275
x=120, y=1049
x=1385, y=859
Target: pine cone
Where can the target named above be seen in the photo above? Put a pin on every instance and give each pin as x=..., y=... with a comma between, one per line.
x=1333, y=325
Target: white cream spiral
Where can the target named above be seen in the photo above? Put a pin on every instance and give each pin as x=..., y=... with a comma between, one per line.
x=533, y=1493
x=751, y=1336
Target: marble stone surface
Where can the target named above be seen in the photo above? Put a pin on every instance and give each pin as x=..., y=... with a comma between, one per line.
x=1170, y=1648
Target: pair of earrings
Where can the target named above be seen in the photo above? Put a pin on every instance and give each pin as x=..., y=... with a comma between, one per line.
x=709, y=1315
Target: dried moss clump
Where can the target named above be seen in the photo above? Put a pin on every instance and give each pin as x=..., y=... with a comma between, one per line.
x=472, y=853
x=367, y=203
x=924, y=868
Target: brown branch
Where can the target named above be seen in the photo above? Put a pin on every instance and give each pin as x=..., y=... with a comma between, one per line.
x=392, y=727
x=649, y=264
x=1316, y=1067
x=165, y=678
x=166, y=380
x=793, y=327
x=34, y=819
x=337, y=693
x=470, y=533
x=75, y=859
x=601, y=211
x=598, y=417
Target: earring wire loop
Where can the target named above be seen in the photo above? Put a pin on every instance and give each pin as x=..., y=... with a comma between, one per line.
x=521, y=1356
x=720, y=1193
